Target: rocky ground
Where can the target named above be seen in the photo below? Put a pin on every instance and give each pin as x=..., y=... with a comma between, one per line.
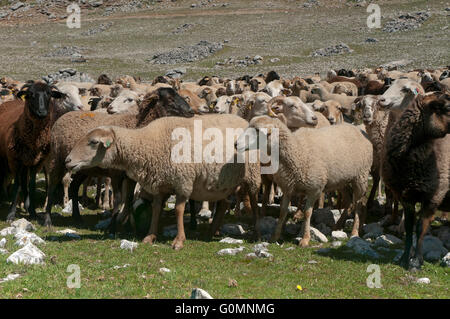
x=143, y=38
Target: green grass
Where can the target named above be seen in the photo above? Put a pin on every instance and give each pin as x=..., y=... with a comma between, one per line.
x=338, y=274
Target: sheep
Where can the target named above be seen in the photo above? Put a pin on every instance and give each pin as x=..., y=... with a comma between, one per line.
x=72, y=126
x=347, y=88
x=312, y=161
x=276, y=88
x=345, y=101
x=151, y=163
x=416, y=166
x=332, y=77
x=126, y=101
x=104, y=79
x=195, y=102
x=296, y=113
x=377, y=87
x=375, y=121
x=253, y=104
x=332, y=110
x=25, y=137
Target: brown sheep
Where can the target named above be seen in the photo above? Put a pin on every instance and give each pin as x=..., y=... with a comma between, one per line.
x=416, y=166
x=25, y=139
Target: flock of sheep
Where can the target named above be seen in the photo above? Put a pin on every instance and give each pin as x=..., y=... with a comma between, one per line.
x=333, y=134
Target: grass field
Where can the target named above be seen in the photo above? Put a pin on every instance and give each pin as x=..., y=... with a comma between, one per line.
x=337, y=274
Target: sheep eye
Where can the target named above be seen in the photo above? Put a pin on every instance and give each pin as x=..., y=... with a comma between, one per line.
x=93, y=142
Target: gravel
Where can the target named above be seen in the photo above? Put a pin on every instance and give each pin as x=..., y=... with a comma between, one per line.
x=186, y=54
x=68, y=75
x=337, y=49
x=407, y=22
x=101, y=28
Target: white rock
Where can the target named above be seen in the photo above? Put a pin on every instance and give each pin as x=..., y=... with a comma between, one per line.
x=446, y=260
x=128, y=245
x=68, y=208
x=387, y=240
x=290, y=248
x=424, y=280
x=23, y=224
x=3, y=251
x=251, y=256
x=198, y=293
x=336, y=243
x=229, y=240
x=119, y=267
x=8, y=231
x=2, y=242
x=318, y=236
x=205, y=214
x=24, y=238
x=66, y=231
x=230, y=251
x=9, y=278
x=260, y=246
x=232, y=230
x=338, y=235
x=164, y=270
x=361, y=247
x=27, y=255
x=171, y=205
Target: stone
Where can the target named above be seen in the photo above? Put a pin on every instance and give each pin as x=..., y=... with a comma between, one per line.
x=424, y=280
x=267, y=225
x=24, y=238
x=103, y=224
x=23, y=224
x=292, y=229
x=446, y=260
x=229, y=240
x=198, y=293
x=68, y=208
x=9, y=278
x=128, y=245
x=204, y=214
x=318, y=236
x=119, y=267
x=372, y=230
x=361, y=247
x=387, y=240
x=336, y=244
x=187, y=54
x=443, y=233
x=338, y=235
x=96, y=3
x=17, y=6
x=28, y=255
x=2, y=242
x=274, y=60
x=164, y=270
x=371, y=40
x=170, y=231
x=433, y=249
x=395, y=64
x=3, y=251
x=326, y=216
x=337, y=49
x=232, y=230
x=230, y=251
x=324, y=229
x=8, y=231
x=66, y=231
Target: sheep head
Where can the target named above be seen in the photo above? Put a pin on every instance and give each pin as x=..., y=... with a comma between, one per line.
x=292, y=111
x=37, y=96
x=93, y=150
x=435, y=109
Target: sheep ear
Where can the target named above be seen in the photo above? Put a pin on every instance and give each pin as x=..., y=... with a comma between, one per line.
x=107, y=140
x=57, y=94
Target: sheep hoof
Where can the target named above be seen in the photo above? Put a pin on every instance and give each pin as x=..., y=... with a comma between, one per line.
x=150, y=239
x=304, y=243
x=177, y=244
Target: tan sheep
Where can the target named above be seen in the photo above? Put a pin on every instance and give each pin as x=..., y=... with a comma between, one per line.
x=152, y=163
x=312, y=161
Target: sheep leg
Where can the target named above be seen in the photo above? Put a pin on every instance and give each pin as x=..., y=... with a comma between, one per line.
x=321, y=200
x=310, y=200
x=193, y=221
x=218, y=217
x=15, y=195
x=272, y=194
x=128, y=187
x=106, y=201
x=422, y=228
x=266, y=195
x=180, y=204
x=156, y=209
x=299, y=214
x=409, y=225
x=73, y=194
x=284, y=209
x=255, y=210
x=66, y=184
x=31, y=198
x=376, y=183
